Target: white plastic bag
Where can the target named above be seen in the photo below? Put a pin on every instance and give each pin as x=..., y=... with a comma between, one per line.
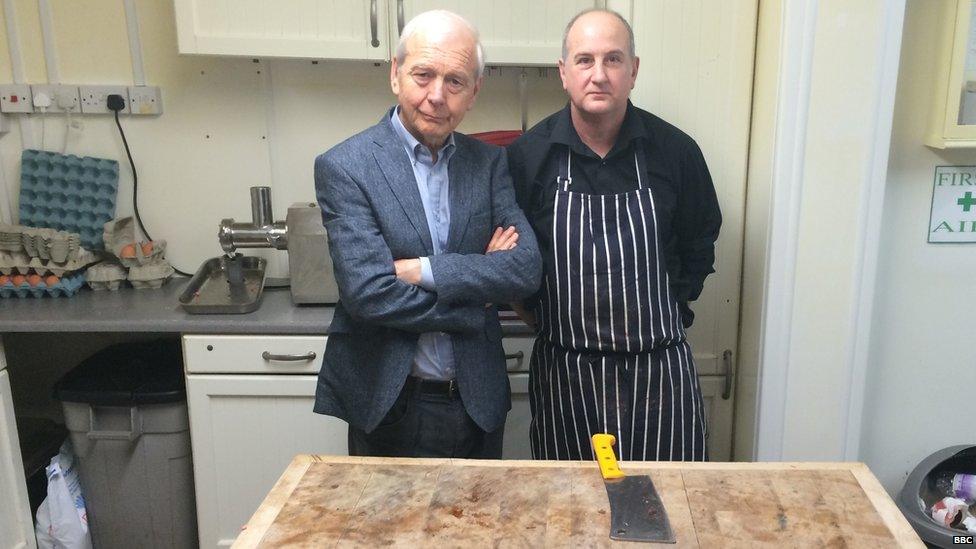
x=62, y=521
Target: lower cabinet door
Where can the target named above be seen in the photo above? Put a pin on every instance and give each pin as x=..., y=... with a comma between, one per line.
x=16, y=526
x=245, y=429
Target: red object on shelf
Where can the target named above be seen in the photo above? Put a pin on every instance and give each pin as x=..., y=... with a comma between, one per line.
x=498, y=137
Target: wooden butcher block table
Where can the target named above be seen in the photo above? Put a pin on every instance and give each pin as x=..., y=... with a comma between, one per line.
x=330, y=501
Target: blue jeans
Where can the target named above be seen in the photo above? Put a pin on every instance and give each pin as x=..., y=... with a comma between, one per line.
x=426, y=424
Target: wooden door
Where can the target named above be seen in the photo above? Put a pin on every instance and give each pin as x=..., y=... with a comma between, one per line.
x=696, y=72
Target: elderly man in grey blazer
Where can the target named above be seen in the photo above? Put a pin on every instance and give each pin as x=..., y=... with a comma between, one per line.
x=425, y=237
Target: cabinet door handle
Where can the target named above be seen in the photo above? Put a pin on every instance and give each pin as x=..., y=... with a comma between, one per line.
x=727, y=360
x=309, y=356
x=373, y=23
x=399, y=17
x=518, y=356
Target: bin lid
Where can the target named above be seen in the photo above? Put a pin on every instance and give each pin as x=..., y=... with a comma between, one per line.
x=127, y=374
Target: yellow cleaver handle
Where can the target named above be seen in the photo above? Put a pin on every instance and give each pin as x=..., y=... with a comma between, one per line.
x=603, y=449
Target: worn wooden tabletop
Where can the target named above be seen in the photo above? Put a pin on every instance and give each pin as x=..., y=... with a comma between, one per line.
x=333, y=501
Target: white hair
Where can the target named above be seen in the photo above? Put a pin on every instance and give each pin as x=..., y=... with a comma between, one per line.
x=436, y=19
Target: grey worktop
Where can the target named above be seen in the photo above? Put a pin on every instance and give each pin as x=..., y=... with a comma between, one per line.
x=129, y=310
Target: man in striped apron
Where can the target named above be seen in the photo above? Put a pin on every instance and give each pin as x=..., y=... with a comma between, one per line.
x=626, y=217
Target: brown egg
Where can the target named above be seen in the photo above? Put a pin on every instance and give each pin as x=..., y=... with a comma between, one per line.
x=18, y=279
x=51, y=280
x=4, y=279
x=147, y=248
x=34, y=279
x=128, y=251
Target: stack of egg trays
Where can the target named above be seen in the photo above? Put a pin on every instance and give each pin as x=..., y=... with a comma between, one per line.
x=36, y=253
x=69, y=193
x=66, y=286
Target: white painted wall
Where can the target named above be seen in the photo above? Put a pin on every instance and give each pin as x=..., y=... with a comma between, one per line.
x=922, y=373
x=228, y=123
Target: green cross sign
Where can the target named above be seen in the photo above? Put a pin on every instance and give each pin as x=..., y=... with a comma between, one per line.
x=967, y=201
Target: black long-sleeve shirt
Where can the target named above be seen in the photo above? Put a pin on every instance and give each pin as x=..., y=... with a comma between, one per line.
x=687, y=209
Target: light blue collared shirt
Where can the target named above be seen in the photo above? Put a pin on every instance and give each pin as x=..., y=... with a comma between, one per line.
x=435, y=352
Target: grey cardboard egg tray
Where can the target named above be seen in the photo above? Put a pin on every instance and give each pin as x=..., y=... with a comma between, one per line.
x=48, y=244
x=144, y=270
x=21, y=263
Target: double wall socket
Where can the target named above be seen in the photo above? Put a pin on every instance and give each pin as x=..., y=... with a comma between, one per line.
x=94, y=99
x=62, y=97
x=145, y=100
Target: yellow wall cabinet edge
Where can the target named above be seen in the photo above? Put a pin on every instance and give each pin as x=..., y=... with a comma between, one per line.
x=945, y=132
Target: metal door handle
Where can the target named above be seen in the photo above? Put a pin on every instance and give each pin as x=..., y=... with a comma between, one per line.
x=399, y=17
x=373, y=23
x=727, y=361
x=309, y=356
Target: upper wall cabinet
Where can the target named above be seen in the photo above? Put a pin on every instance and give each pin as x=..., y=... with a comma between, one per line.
x=513, y=32
x=953, y=123
x=320, y=29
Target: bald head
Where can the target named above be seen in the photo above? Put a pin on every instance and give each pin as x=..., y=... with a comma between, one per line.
x=439, y=26
x=607, y=20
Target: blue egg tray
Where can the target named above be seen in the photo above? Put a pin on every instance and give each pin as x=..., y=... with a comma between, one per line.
x=66, y=287
x=68, y=193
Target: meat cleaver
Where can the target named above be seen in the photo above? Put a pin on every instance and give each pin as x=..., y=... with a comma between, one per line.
x=636, y=510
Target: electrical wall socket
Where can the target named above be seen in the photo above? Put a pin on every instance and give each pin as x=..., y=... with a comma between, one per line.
x=145, y=100
x=61, y=96
x=16, y=98
x=93, y=98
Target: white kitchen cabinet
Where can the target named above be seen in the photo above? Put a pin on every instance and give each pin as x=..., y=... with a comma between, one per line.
x=513, y=32
x=16, y=526
x=246, y=427
x=343, y=29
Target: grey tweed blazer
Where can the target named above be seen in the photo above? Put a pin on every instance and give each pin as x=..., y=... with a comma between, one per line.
x=373, y=214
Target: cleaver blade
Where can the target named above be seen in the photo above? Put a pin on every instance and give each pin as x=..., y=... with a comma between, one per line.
x=636, y=511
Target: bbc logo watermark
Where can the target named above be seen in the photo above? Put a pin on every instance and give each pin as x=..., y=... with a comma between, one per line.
x=964, y=540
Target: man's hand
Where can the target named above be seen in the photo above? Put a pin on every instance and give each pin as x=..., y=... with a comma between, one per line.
x=408, y=270
x=502, y=240
x=526, y=315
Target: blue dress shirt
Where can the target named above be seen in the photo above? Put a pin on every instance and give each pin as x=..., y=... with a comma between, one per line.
x=435, y=352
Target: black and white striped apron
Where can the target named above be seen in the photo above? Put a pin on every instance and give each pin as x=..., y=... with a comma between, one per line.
x=611, y=356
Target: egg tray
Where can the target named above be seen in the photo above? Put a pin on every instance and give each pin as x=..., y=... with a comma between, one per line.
x=20, y=263
x=66, y=287
x=67, y=192
x=59, y=246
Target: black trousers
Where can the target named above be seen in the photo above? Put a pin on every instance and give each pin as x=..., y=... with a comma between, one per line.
x=427, y=423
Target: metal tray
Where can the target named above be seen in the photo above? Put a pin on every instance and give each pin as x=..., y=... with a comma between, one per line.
x=210, y=290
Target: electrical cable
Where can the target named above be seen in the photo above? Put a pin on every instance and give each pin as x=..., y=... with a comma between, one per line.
x=135, y=188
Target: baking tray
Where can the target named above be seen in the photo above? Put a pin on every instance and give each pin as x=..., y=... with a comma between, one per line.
x=210, y=290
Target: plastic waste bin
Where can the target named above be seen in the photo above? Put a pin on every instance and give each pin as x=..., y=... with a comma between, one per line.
x=921, y=491
x=125, y=410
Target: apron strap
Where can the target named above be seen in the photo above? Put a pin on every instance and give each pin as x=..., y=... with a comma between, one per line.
x=639, y=154
x=565, y=177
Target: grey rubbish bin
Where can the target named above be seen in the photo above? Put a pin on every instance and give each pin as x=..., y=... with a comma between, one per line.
x=920, y=492
x=125, y=410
